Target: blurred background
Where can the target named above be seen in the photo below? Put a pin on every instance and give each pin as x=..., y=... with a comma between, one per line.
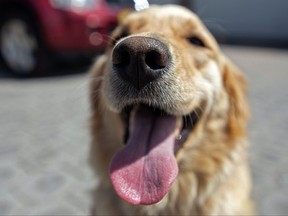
x=46, y=48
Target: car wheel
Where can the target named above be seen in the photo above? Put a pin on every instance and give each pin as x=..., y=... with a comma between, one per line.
x=21, y=48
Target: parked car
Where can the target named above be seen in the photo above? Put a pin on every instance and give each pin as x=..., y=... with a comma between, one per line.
x=33, y=31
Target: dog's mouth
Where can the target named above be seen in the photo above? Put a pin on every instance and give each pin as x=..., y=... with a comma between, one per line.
x=187, y=123
x=145, y=169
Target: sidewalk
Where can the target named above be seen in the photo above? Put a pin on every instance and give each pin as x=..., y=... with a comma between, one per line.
x=267, y=73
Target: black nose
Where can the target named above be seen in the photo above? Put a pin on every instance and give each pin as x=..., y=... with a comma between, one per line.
x=141, y=60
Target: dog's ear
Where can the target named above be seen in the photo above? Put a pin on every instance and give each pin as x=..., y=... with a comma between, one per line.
x=236, y=86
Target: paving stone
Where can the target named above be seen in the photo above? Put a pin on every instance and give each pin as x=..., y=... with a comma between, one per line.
x=50, y=183
x=6, y=173
x=5, y=207
x=275, y=204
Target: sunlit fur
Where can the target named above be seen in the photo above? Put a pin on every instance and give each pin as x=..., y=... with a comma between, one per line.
x=213, y=177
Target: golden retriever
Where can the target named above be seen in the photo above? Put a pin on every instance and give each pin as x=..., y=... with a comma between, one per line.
x=169, y=115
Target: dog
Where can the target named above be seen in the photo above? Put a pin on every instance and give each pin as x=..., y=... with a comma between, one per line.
x=169, y=113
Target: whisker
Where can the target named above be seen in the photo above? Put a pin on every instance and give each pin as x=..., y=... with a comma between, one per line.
x=185, y=122
x=107, y=36
x=86, y=82
x=108, y=40
x=95, y=95
x=191, y=120
x=197, y=114
x=201, y=109
x=99, y=78
x=110, y=37
x=215, y=24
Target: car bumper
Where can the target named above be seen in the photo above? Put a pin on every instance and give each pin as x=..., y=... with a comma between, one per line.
x=75, y=32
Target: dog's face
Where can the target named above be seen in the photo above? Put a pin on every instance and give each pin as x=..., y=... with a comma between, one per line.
x=163, y=57
x=162, y=76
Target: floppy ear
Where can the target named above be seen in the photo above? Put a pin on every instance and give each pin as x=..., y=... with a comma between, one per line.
x=236, y=87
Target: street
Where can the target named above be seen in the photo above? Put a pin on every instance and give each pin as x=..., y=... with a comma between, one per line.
x=44, y=138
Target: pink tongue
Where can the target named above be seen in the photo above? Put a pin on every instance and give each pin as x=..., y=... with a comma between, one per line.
x=144, y=170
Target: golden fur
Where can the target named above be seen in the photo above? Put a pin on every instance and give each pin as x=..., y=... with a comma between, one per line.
x=213, y=176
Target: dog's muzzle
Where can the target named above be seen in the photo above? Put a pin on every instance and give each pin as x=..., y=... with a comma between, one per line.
x=141, y=60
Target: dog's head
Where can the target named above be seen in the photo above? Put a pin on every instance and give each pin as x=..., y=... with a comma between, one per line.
x=162, y=76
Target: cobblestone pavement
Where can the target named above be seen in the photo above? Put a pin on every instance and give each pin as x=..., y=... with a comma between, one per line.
x=44, y=138
x=267, y=73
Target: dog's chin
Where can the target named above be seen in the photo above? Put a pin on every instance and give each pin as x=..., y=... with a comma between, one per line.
x=144, y=170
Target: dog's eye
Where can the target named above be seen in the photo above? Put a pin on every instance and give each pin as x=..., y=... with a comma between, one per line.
x=196, y=41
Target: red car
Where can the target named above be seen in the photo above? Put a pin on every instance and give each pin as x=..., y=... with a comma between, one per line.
x=32, y=31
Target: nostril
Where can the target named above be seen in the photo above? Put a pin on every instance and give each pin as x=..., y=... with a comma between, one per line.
x=156, y=60
x=121, y=58
x=125, y=58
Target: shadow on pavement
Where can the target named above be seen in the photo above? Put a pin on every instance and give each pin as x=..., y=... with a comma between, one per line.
x=61, y=67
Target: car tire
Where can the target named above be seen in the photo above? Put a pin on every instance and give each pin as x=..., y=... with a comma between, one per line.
x=21, y=47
